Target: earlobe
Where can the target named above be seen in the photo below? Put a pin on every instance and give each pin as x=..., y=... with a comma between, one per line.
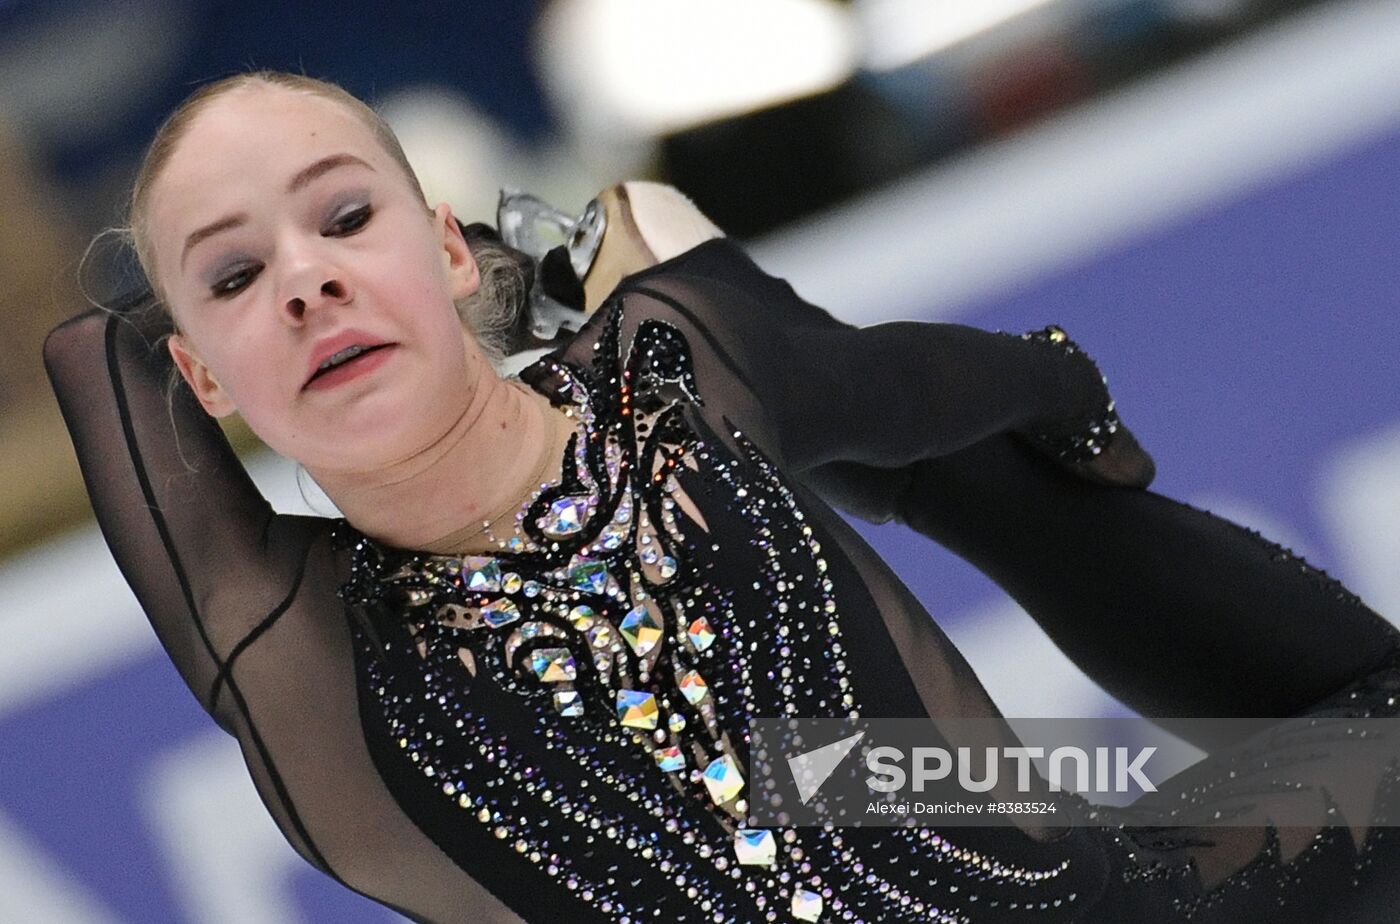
x=206, y=388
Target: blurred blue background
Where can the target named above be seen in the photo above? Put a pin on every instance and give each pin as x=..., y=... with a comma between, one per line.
x=1205, y=193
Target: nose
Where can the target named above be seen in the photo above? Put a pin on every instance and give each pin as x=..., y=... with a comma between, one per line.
x=313, y=283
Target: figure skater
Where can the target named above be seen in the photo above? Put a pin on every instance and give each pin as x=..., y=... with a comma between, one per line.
x=513, y=680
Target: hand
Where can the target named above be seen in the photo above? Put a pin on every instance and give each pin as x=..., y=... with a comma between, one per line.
x=1091, y=444
x=1122, y=462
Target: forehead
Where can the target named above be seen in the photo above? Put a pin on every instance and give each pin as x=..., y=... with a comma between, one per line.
x=246, y=144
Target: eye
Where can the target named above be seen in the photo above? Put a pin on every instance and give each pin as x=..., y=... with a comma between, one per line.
x=349, y=222
x=234, y=282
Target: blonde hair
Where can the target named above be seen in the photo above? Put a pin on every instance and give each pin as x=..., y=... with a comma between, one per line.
x=492, y=313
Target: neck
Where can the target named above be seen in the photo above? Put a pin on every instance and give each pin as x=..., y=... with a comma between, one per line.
x=474, y=472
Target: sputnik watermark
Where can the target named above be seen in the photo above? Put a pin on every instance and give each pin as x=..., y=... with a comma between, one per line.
x=1054, y=772
x=1112, y=772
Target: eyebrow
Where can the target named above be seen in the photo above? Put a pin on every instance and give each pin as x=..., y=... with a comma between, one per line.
x=303, y=178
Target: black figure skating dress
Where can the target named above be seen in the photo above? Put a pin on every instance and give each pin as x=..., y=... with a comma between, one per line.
x=558, y=729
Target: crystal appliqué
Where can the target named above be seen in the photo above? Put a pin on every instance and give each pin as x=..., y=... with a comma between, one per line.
x=660, y=684
x=613, y=630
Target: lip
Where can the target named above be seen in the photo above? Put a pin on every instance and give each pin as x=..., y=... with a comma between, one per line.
x=361, y=365
x=327, y=347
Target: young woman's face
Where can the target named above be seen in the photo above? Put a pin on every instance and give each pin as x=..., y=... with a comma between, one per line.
x=281, y=231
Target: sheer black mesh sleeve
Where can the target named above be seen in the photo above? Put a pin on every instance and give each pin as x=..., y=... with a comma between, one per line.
x=181, y=516
x=244, y=601
x=884, y=395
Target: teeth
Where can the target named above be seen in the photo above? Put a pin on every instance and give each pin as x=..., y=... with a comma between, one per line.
x=342, y=356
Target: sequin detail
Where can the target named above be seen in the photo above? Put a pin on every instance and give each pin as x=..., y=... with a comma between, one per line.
x=636, y=665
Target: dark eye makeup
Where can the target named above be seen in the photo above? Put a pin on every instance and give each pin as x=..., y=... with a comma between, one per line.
x=349, y=221
x=234, y=282
x=344, y=223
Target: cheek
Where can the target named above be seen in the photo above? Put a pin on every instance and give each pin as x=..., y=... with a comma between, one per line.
x=428, y=288
x=417, y=291
x=255, y=379
x=412, y=265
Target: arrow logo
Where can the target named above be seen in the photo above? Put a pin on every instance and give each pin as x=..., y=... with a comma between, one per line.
x=812, y=769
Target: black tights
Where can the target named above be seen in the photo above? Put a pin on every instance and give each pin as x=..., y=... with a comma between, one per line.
x=1175, y=611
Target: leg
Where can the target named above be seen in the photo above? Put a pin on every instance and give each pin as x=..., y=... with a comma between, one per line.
x=1174, y=610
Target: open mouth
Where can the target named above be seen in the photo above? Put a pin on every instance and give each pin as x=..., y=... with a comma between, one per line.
x=347, y=367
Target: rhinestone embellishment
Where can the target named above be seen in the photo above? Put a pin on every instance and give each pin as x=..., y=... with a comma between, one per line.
x=481, y=574
x=636, y=709
x=723, y=779
x=552, y=665
x=566, y=516
x=500, y=612
x=806, y=906
x=622, y=611
x=641, y=630
x=755, y=847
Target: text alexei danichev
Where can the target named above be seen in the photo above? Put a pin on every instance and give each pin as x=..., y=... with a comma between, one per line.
x=960, y=808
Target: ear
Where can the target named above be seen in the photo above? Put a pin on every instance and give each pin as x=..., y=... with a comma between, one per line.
x=463, y=273
x=206, y=388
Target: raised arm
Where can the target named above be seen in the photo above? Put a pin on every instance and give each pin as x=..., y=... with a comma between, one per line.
x=189, y=530
x=882, y=396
